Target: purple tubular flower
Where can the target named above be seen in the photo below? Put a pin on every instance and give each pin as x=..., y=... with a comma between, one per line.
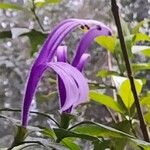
x=86, y=41
x=43, y=61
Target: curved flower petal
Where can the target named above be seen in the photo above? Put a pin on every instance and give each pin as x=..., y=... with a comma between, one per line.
x=61, y=54
x=80, y=66
x=35, y=76
x=79, y=80
x=86, y=41
x=71, y=89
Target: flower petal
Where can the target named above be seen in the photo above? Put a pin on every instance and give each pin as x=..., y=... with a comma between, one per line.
x=71, y=89
x=61, y=54
x=32, y=82
x=80, y=66
x=86, y=41
x=80, y=80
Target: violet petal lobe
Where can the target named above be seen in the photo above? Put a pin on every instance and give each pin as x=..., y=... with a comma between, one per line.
x=80, y=80
x=35, y=76
x=86, y=41
x=82, y=62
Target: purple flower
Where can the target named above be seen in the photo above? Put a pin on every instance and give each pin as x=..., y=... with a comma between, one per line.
x=73, y=87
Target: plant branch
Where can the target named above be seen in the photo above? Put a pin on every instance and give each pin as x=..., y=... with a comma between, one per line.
x=129, y=70
x=36, y=17
x=32, y=112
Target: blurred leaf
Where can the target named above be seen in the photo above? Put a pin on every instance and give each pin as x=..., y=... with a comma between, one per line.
x=108, y=42
x=41, y=3
x=10, y=6
x=125, y=92
x=99, y=130
x=105, y=100
x=147, y=118
x=105, y=73
x=137, y=27
x=140, y=37
x=5, y=34
x=125, y=27
x=145, y=100
x=140, y=67
x=62, y=133
x=36, y=39
x=69, y=143
x=141, y=49
x=48, y=133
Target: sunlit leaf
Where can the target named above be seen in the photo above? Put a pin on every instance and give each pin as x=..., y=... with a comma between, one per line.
x=125, y=92
x=140, y=67
x=10, y=6
x=140, y=37
x=137, y=27
x=147, y=118
x=145, y=100
x=69, y=143
x=105, y=73
x=105, y=100
x=108, y=42
x=41, y=3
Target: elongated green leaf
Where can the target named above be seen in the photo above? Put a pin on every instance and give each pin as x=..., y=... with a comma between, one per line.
x=10, y=6
x=41, y=3
x=147, y=118
x=108, y=42
x=140, y=37
x=141, y=49
x=145, y=100
x=105, y=100
x=140, y=67
x=99, y=130
x=105, y=73
x=125, y=92
x=69, y=143
x=137, y=27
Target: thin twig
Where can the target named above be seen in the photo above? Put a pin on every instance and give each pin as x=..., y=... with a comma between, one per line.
x=35, y=15
x=32, y=112
x=129, y=70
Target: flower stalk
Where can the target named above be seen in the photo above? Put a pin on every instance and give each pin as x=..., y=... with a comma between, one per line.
x=143, y=127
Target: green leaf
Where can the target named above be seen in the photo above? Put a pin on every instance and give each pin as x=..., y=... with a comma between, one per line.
x=147, y=118
x=145, y=100
x=108, y=42
x=62, y=133
x=48, y=133
x=99, y=130
x=36, y=39
x=105, y=73
x=5, y=34
x=105, y=100
x=41, y=3
x=10, y=6
x=69, y=143
x=137, y=27
x=140, y=37
x=125, y=92
x=141, y=49
x=140, y=67
x=125, y=27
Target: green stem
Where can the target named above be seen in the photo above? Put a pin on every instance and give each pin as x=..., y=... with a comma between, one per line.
x=32, y=112
x=129, y=70
x=35, y=15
